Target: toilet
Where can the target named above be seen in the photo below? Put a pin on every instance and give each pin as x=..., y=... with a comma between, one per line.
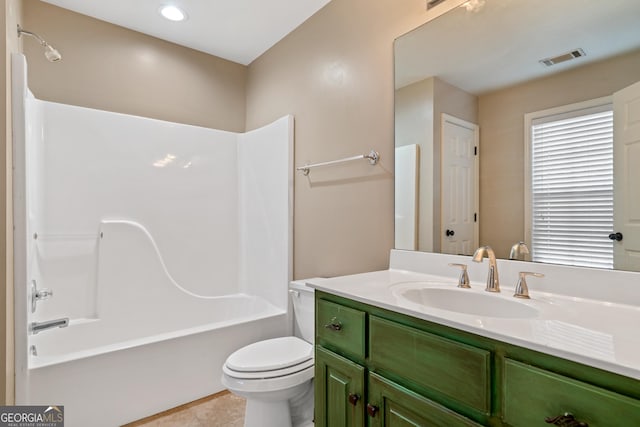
x=276, y=375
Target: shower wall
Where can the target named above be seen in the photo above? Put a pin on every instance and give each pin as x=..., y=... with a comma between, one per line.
x=180, y=182
x=216, y=204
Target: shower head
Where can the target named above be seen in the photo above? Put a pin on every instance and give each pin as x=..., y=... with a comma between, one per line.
x=50, y=52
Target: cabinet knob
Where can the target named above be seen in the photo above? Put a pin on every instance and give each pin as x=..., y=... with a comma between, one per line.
x=372, y=410
x=353, y=398
x=335, y=325
x=565, y=420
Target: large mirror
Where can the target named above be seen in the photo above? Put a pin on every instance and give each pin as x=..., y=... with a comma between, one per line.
x=505, y=117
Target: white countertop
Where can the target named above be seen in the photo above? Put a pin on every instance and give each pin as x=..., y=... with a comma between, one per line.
x=597, y=333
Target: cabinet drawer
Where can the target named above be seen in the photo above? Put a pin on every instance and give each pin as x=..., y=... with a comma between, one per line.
x=397, y=406
x=457, y=371
x=531, y=394
x=340, y=328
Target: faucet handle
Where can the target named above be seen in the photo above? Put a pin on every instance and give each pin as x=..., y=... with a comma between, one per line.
x=522, y=290
x=463, y=280
x=38, y=295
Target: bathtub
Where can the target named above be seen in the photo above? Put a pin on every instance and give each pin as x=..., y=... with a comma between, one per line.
x=152, y=345
x=106, y=376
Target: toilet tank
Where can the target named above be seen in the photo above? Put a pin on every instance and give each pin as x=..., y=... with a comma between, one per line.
x=303, y=310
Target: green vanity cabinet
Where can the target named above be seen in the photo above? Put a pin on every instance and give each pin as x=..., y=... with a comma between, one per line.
x=376, y=368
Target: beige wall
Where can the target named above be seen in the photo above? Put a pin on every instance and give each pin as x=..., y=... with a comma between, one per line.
x=335, y=75
x=502, y=138
x=10, y=14
x=418, y=109
x=111, y=68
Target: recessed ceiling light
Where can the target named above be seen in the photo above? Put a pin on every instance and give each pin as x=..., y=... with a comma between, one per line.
x=173, y=13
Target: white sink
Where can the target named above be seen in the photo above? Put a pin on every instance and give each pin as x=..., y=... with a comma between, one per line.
x=465, y=301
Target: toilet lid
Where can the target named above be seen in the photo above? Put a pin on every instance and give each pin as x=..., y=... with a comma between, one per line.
x=268, y=355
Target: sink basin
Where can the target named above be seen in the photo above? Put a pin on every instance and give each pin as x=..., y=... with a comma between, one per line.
x=466, y=301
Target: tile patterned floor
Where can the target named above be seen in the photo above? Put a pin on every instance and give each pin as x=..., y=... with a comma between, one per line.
x=220, y=410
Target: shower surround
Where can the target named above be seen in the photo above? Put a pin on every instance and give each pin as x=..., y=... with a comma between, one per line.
x=167, y=247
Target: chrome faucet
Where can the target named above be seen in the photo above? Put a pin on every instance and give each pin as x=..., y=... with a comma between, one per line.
x=518, y=249
x=35, y=327
x=493, y=283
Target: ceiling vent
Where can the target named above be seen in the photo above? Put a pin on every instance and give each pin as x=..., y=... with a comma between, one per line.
x=433, y=3
x=577, y=53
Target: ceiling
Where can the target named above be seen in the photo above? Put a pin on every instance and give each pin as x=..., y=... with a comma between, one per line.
x=237, y=30
x=501, y=44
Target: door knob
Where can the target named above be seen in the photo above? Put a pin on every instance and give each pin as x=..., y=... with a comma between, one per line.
x=616, y=236
x=450, y=233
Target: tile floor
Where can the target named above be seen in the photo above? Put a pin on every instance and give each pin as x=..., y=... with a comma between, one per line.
x=220, y=410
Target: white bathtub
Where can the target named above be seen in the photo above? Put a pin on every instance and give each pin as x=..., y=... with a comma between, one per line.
x=106, y=376
x=151, y=346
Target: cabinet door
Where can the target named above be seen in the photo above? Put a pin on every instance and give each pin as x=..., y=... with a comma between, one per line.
x=339, y=389
x=448, y=369
x=391, y=405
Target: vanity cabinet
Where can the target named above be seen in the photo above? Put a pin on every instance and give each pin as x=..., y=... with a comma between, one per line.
x=376, y=368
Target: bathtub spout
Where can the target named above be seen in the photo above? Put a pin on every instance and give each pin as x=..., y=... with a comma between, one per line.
x=36, y=327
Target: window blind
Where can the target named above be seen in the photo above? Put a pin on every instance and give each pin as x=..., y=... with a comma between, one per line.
x=572, y=188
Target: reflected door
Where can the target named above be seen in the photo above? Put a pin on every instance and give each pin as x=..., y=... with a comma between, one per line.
x=460, y=186
x=626, y=177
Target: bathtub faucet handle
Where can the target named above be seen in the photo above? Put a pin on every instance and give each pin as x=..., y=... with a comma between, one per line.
x=38, y=295
x=44, y=294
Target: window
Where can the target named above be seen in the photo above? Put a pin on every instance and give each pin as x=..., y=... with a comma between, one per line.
x=571, y=185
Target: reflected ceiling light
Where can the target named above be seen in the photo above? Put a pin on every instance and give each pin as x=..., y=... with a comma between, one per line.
x=173, y=13
x=168, y=159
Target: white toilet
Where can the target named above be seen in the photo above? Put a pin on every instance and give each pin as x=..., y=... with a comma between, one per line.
x=276, y=375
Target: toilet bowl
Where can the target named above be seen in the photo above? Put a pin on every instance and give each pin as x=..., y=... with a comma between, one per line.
x=276, y=375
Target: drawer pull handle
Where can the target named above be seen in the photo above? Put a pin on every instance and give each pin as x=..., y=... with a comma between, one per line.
x=372, y=410
x=565, y=420
x=335, y=325
x=353, y=398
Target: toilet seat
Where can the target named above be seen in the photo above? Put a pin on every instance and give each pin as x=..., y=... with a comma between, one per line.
x=271, y=358
x=267, y=385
